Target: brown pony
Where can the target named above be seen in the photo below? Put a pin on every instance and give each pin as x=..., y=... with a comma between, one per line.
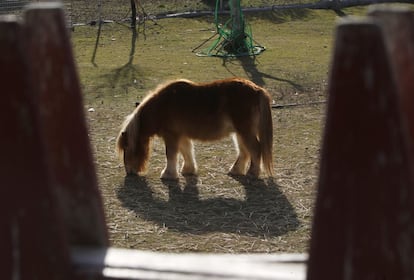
x=182, y=110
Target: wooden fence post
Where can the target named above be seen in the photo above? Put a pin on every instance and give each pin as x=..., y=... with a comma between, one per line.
x=398, y=30
x=363, y=225
x=57, y=92
x=33, y=242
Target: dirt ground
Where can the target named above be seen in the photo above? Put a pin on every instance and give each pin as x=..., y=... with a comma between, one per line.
x=215, y=212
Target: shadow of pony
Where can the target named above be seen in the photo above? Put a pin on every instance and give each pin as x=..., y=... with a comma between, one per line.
x=265, y=211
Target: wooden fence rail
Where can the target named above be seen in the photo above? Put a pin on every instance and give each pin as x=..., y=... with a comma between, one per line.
x=52, y=221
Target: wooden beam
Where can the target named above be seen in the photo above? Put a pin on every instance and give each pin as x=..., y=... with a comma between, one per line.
x=132, y=264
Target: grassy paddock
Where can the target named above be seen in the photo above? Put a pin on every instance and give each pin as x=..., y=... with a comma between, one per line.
x=217, y=213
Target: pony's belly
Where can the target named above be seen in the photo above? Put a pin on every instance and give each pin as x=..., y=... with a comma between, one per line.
x=208, y=130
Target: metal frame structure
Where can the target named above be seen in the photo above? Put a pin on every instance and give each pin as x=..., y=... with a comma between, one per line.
x=234, y=36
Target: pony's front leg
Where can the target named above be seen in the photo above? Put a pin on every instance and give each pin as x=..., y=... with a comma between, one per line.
x=187, y=150
x=171, y=150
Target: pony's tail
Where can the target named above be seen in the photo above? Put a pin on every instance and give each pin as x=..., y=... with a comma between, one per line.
x=266, y=132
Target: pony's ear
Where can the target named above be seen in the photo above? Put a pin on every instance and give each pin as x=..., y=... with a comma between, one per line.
x=124, y=140
x=137, y=104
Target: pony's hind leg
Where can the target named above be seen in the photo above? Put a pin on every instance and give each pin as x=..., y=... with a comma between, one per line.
x=253, y=147
x=171, y=150
x=243, y=157
x=187, y=150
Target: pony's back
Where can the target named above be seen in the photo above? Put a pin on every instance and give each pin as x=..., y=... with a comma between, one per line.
x=206, y=111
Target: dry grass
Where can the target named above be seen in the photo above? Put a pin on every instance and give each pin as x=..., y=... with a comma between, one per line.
x=214, y=212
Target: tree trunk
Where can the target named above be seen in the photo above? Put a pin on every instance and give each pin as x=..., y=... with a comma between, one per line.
x=134, y=14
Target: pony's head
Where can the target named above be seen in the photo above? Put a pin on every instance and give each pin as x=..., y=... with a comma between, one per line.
x=133, y=145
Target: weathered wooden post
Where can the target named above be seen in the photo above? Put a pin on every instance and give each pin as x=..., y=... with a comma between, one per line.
x=57, y=92
x=363, y=225
x=398, y=29
x=33, y=242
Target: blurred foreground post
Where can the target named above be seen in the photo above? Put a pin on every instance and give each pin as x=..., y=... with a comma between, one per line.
x=49, y=196
x=59, y=103
x=33, y=242
x=364, y=217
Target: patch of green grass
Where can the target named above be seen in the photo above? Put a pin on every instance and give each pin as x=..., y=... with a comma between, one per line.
x=296, y=57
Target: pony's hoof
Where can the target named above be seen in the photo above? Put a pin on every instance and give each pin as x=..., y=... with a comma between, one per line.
x=169, y=176
x=170, y=179
x=131, y=174
x=189, y=173
x=189, y=170
x=252, y=175
x=235, y=172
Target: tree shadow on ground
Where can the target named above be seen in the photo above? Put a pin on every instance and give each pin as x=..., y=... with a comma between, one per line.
x=265, y=211
x=249, y=66
x=126, y=75
x=210, y=3
x=284, y=15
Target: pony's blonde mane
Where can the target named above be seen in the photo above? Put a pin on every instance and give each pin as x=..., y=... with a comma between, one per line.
x=131, y=124
x=120, y=139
